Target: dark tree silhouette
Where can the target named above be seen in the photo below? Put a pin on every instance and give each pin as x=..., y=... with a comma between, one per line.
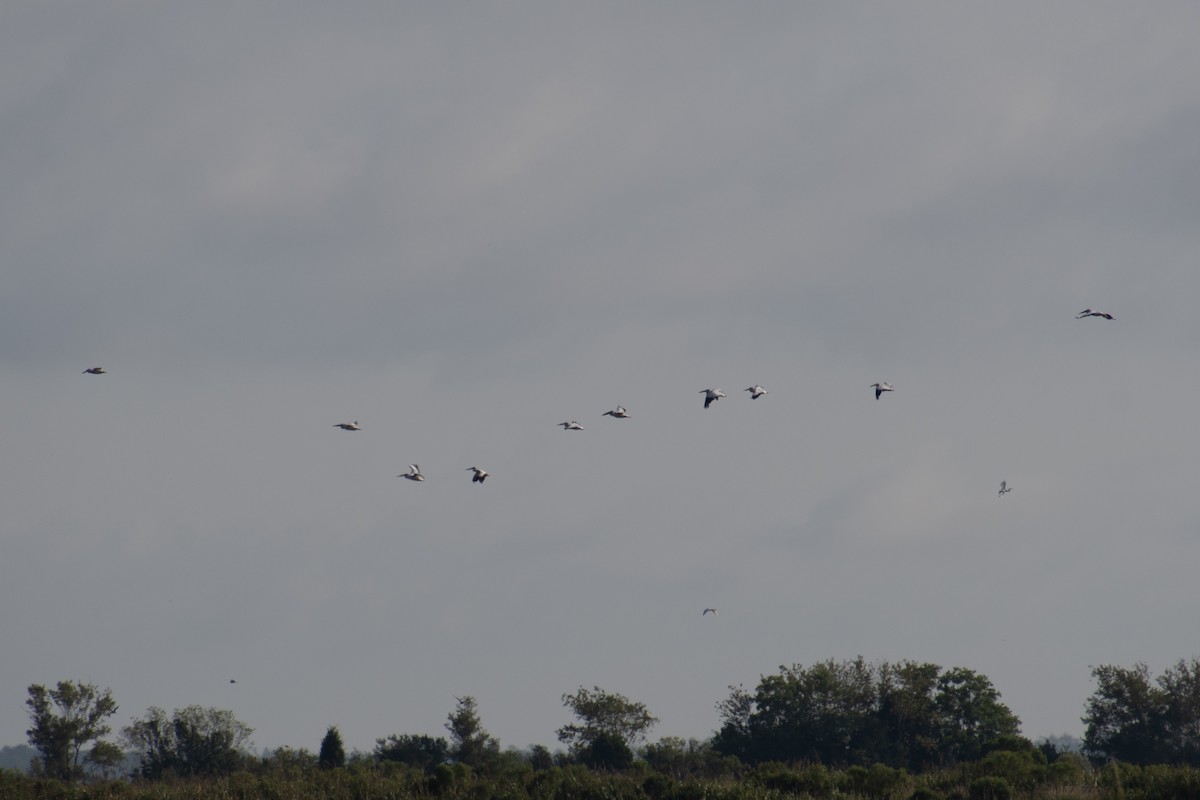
x=333, y=752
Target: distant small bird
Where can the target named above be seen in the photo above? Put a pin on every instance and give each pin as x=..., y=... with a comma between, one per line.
x=712, y=611
x=348, y=426
x=1004, y=488
x=231, y=680
x=413, y=474
x=1087, y=312
x=619, y=413
x=881, y=387
x=94, y=371
x=571, y=426
x=756, y=391
x=711, y=396
x=480, y=475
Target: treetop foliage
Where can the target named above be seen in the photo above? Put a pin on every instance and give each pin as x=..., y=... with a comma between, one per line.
x=333, y=752
x=470, y=744
x=1137, y=719
x=834, y=728
x=911, y=715
x=420, y=751
x=192, y=741
x=604, y=714
x=65, y=720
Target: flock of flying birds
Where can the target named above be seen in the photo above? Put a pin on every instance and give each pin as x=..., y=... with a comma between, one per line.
x=710, y=396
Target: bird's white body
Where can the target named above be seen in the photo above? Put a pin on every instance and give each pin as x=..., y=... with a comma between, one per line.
x=348, y=426
x=711, y=396
x=480, y=475
x=881, y=387
x=571, y=426
x=413, y=474
x=619, y=412
x=756, y=391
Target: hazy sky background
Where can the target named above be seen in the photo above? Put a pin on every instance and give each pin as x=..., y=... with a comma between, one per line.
x=463, y=223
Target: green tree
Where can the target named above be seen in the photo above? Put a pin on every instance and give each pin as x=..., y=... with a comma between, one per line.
x=607, y=751
x=689, y=759
x=152, y=740
x=422, y=752
x=193, y=741
x=970, y=715
x=106, y=758
x=1180, y=687
x=1125, y=716
x=736, y=736
x=539, y=757
x=908, y=715
x=1142, y=721
x=65, y=720
x=603, y=713
x=333, y=752
x=285, y=763
x=824, y=711
x=470, y=744
x=827, y=712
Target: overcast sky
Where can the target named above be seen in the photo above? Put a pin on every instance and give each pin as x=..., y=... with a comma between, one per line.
x=463, y=223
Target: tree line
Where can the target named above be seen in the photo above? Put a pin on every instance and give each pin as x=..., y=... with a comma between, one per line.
x=910, y=717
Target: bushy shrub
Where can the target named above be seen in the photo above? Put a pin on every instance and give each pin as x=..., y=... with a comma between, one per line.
x=990, y=787
x=1170, y=783
x=544, y=783
x=812, y=779
x=924, y=793
x=1067, y=769
x=447, y=778
x=853, y=780
x=1023, y=770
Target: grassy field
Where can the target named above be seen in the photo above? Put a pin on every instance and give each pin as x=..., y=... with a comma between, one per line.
x=1076, y=780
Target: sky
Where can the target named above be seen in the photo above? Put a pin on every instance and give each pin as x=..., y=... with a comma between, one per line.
x=461, y=224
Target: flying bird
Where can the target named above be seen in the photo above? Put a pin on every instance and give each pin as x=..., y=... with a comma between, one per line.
x=707, y=611
x=348, y=426
x=619, y=413
x=711, y=395
x=94, y=371
x=1087, y=312
x=571, y=426
x=413, y=474
x=480, y=475
x=881, y=387
x=1004, y=488
x=756, y=391
x=231, y=680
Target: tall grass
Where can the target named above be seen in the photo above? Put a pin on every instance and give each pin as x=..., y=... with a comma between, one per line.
x=766, y=782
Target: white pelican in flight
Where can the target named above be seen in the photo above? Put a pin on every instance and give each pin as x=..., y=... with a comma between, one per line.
x=755, y=391
x=711, y=395
x=95, y=371
x=1087, y=312
x=1004, y=488
x=881, y=387
x=480, y=475
x=571, y=426
x=413, y=474
x=707, y=611
x=348, y=426
x=619, y=413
